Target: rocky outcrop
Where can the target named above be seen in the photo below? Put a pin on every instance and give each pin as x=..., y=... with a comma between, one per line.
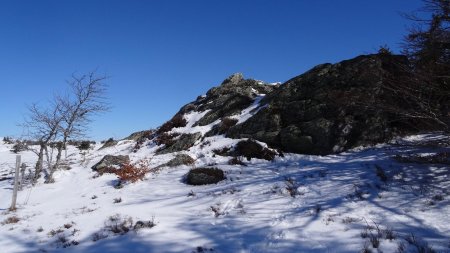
x=110, y=161
x=231, y=97
x=184, y=142
x=320, y=111
x=109, y=143
x=179, y=159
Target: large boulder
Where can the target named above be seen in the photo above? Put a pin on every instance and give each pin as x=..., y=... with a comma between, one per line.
x=320, y=112
x=203, y=176
x=110, y=161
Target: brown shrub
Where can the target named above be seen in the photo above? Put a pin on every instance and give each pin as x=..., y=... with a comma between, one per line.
x=11, y=220
x=131, y=173
x=176, y=121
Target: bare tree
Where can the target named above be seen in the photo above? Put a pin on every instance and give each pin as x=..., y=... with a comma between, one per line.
x=86, y=98
x=66, y=116
x=43, y=125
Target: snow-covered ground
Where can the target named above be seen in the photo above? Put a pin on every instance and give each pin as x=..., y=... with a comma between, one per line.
x=361, y=200
x=297, y=203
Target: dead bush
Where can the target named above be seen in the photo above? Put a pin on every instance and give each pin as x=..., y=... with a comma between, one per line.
x=252, y=149
x=176, y=121
x=131, y=173
x=11, y=220
x=118, y=224
x=144, y=224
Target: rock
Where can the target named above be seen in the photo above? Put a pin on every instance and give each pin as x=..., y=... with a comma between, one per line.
x=203, y=176
x=184, y=142
x=317, y=112
x=110, y=161
x=231, y=97
x=141, y=135
x=179, y=159
x=109, y=143
x=252, y=149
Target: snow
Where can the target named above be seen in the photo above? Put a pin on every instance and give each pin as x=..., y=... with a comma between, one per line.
x=335, y=198
x=251, y=110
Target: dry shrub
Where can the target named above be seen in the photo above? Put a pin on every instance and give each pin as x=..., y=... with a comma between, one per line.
x=131, y=173
x=176, y=121
x=118, y=224
x=11, y=220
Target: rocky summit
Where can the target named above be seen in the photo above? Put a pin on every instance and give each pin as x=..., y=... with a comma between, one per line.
x=325, y=110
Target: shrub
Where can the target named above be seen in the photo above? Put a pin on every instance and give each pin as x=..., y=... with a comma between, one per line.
x=117, y=200
x=84, y=145
x=131, y=173
x=144, y=224
x=19, y=147
x=118, y=224
x=8, y=140
x=11, y=220
x=176, y=121
x=252, y=149
x=203, y=176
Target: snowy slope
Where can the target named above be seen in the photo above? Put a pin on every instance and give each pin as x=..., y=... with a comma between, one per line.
x=296, y=203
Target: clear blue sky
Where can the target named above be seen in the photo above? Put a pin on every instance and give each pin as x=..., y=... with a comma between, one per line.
x=162, y=54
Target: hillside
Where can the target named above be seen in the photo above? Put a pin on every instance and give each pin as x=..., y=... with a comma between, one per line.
x=304, y=172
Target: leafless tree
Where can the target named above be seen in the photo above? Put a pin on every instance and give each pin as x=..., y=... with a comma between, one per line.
x=86, y=98
x=43, y=125
x=66, y=117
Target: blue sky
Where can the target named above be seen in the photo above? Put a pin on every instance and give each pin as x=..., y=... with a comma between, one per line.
x=161, y=55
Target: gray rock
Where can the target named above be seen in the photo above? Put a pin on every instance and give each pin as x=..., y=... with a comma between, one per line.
x=184, y=142
x=318, y=113
x=179, y=159
x=110, y=161
x=203, y=176
x=109, y=143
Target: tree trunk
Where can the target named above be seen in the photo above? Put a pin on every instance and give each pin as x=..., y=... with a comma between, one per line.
x=39, y=163
x=56, y=165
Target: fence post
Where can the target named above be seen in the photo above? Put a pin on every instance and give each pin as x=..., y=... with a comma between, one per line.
x=16, y=184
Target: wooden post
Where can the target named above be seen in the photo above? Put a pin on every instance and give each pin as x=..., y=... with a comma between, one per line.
x=16, y=184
